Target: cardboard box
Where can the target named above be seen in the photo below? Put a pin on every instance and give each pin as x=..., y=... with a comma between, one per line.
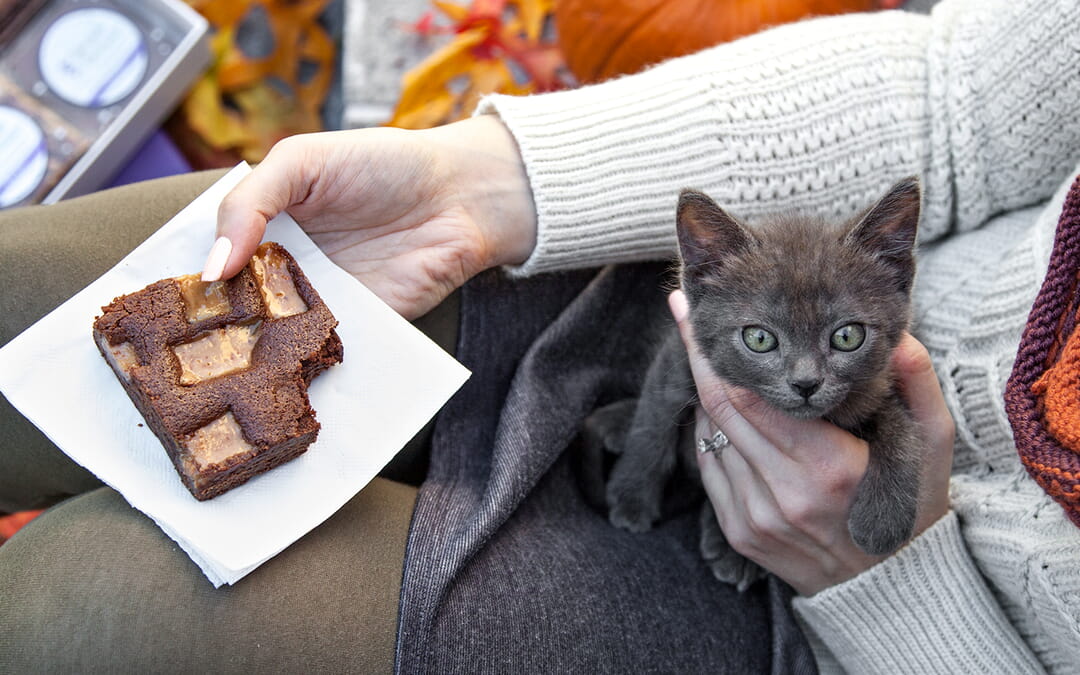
x=83, y=83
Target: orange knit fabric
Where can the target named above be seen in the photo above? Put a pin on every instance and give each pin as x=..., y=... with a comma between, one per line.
x=1059, y=389
x=1042, y=398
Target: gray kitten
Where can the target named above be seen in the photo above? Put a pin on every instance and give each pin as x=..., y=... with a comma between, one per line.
x=806, y=314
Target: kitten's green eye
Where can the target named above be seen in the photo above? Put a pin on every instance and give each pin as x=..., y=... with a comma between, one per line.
x=848, y=338
x=758, y=339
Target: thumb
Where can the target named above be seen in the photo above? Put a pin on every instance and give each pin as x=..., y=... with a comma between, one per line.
x=680, y=310
x=922, y=392
x=244, y=212
x=710, y=388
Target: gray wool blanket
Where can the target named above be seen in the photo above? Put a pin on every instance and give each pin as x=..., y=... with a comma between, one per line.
x=510, y=566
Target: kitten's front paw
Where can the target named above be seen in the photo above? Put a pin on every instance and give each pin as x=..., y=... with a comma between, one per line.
x=880, y=526
x=604, y=431
x=631, y=512
x=726, y=564
x=732, y=568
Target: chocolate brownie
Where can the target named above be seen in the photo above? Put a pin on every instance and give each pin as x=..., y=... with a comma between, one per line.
x=220, y=370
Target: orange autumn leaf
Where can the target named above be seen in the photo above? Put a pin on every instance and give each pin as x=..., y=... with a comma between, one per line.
x=499, y=47
x=435, y=110
x=533, y=15
x=435, y=72
x=457, y=13
x=487, y=77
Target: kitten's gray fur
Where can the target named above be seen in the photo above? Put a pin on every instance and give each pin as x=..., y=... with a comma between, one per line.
x=800, y=279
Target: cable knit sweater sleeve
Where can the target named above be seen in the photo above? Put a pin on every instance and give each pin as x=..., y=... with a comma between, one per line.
x=926, y=609
x=821, y=115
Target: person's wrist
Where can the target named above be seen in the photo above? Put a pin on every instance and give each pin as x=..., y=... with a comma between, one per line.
x=490, y=179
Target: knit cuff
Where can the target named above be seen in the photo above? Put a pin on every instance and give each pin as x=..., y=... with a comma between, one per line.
x=925, y=609
x=818, y=116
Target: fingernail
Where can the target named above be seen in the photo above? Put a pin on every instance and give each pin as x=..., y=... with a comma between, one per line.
x=216, y=259
x=679, y=307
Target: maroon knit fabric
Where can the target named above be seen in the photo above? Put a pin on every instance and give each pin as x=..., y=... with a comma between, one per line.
x=1053, y=317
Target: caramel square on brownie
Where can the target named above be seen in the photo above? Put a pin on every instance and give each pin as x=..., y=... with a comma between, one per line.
x=220, y=370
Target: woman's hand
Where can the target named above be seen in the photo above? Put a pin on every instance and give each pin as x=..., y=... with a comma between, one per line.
x=411, y=214
x=783, y=488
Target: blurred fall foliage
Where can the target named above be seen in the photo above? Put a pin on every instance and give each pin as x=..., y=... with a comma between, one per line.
x=272, y=67
x=273, y=60
x=530, y=46
x=503, y=46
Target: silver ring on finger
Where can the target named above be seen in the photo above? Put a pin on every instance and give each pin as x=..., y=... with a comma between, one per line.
x=718, y=442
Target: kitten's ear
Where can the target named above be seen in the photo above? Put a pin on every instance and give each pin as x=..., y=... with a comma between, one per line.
x=887, y=231
x=707, y=234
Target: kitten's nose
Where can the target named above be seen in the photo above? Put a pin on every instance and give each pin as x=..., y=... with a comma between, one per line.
x=806, y=387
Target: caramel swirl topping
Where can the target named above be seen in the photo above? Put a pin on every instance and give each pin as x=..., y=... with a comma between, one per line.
x=218, y=352
x=203, y=299
x=278, y=290
x=217, y=441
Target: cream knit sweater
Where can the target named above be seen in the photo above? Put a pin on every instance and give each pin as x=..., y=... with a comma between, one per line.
x=981, y=99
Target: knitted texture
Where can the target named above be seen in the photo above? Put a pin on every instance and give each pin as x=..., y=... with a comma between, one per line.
x=869, y=620
x=820, y=116
x=1043, y=394
x=1059, y=389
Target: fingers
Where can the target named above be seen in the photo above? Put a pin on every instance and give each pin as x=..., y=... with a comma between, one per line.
x=713, y=477
x=729, y=483
x=751, y=517
x=270, y=188
x=921, y=389
x=922, y=392
x=757, y=522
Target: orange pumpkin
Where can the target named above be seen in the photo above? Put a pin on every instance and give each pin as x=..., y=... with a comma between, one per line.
x=604, y=38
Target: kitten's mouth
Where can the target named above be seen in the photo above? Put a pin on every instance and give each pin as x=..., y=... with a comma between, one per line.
x=805, y=410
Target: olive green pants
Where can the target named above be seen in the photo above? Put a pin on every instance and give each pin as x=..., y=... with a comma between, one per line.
x=92, y=585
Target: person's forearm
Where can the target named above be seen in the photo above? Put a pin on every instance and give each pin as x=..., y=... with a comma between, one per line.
x=818, y=116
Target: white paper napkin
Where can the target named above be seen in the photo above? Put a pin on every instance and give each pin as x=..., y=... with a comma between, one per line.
x=392, y=381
